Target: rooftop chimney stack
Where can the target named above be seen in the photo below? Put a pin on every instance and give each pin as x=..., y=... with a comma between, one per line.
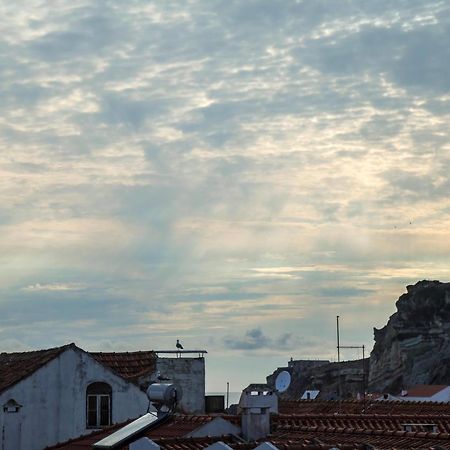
x=256, y=403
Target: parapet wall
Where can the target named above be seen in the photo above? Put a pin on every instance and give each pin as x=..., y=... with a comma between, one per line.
x=189, y=374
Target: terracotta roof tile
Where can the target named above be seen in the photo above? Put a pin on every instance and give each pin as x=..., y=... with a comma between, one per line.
x=425, y=390
x=362, y=422
x=85, y=442
x=361, y=407
x=129, y=365
x=313, y=432
x=191, y=443
x=175, y=428
x=178, y=426
x=14, y=367
x=377, y=438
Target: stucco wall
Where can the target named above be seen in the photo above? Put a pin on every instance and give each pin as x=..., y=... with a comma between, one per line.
x=54, y=402
x=189, y=374
x=442, y=396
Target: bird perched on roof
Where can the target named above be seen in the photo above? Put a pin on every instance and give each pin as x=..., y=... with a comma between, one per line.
x=179, y=346
x=160, y=377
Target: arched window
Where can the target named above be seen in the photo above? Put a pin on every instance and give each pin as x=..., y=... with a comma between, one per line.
x=98, y=405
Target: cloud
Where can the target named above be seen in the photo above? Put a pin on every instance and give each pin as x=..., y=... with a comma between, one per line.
x=217, y=166
x=345, y=292
x=273, y=273
x=55, y=287
x=255, y=339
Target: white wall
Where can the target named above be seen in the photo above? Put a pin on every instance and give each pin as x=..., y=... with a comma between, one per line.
x=187, y=373
x=216, y=427
x=54, y=402
x=441, y=396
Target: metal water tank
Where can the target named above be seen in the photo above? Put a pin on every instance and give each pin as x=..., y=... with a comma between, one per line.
x=164, y=393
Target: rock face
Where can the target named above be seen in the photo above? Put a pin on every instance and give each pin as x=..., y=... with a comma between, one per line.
x=414, y=346
x=324, y=376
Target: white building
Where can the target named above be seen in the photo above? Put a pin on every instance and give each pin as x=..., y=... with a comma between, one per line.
x=50, y=396
x=421, y=393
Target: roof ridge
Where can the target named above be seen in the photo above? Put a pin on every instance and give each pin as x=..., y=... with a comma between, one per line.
x=90, y=435
x=123, y=353
x=42, y=350
x=17, y=366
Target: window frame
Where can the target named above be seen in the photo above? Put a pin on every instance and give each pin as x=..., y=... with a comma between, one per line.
x=98, y=391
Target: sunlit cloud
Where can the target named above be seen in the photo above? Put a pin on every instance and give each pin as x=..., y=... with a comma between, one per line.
x=55, y=287
x=217, y=168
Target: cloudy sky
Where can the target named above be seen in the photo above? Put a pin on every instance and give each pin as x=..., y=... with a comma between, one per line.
x=230, y=173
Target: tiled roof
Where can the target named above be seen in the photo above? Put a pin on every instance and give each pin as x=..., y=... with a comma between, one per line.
x=231, y=441
x=380, y=439
x=176, y=427
x=425, y=390
x=306, y=431
x=179, y=425
x=362, y=422
x=14, y=367
x=85, y=442
x=381, y=432
x=192, y=443
x=361, y=407
x=167, y=443
x=129, y=365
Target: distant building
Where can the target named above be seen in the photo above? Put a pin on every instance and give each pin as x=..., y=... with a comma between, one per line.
x=421, y=393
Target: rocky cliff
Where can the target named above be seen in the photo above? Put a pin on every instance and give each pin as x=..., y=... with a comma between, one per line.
x=347, y=378
x=414, y=346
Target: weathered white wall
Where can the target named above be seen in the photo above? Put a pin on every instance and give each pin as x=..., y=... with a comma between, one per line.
x=189, y=374
x=144, y=444
x=442, y=396
x=216, y=427
x=54, y=402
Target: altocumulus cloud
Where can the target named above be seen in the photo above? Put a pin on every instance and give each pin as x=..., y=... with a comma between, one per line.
x=196, y=167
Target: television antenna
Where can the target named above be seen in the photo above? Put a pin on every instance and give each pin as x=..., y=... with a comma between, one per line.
x=339, y=347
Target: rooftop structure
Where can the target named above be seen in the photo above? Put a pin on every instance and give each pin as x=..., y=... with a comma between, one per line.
x=129, y=365
x=16, y=366
x=360, y=407
x=40, y=390
x=399, y=428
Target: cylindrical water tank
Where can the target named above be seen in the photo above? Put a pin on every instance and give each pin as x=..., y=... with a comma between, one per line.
x=164, y=393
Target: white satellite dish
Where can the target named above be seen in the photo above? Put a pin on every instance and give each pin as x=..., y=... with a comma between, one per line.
x=283, y=381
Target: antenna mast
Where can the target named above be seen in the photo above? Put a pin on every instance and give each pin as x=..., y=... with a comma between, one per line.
x=339, y=346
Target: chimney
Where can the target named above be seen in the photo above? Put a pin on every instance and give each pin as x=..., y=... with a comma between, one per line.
x=256, y=403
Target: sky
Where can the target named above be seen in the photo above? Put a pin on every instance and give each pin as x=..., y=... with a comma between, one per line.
x=233, y=174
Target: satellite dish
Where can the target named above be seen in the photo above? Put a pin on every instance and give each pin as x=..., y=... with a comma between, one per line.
x=283, y=381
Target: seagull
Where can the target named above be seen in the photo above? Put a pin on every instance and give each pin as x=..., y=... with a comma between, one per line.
x=161, y=377
x=179, y=346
